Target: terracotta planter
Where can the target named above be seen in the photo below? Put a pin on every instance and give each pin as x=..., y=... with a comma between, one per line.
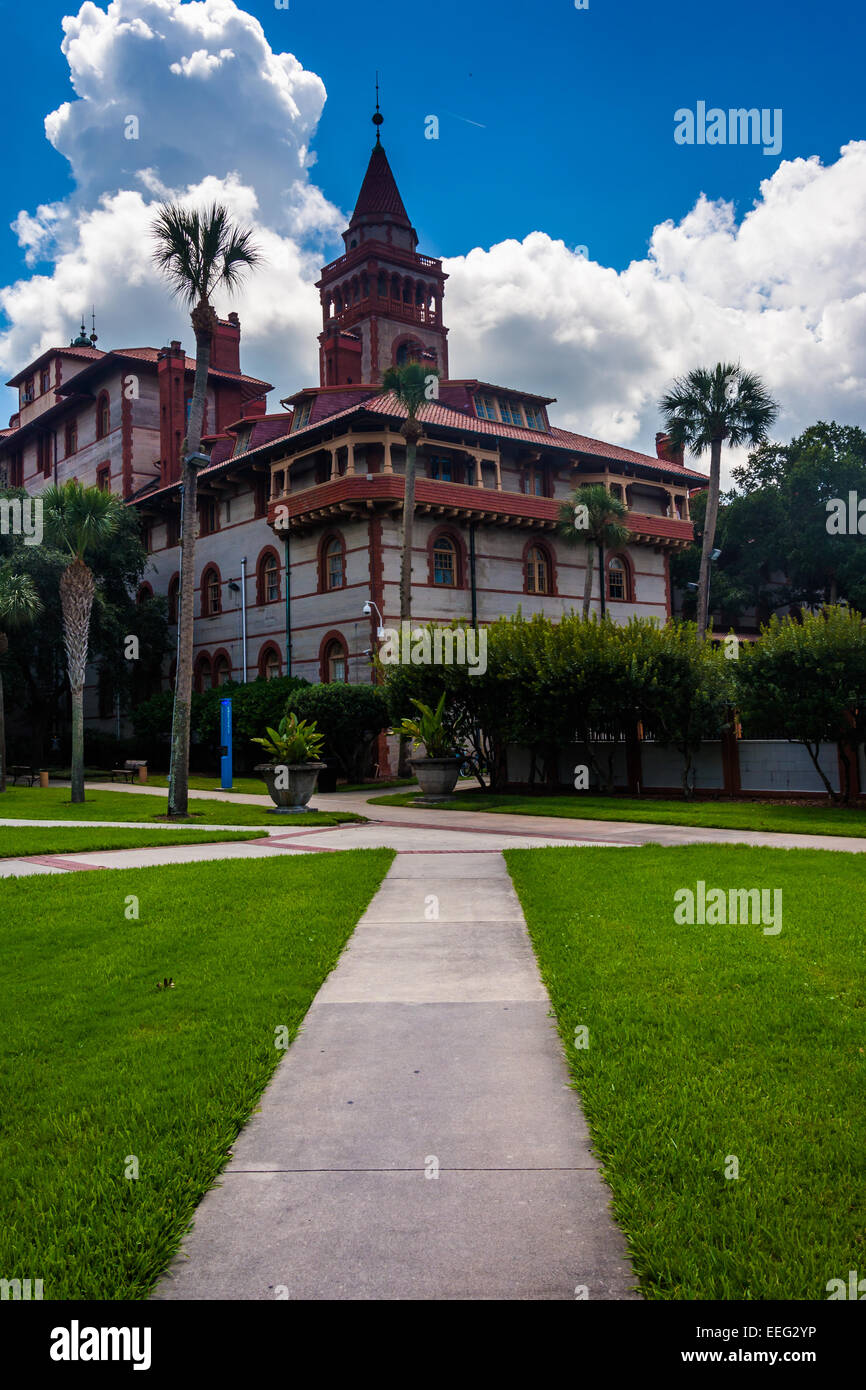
x=300, y=783
x=437, y=777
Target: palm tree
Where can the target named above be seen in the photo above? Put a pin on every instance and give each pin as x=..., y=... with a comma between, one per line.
x=77, y=520
x=199, y=253
x=408, y=385
x=19, y=604
x=701, y=411
x=603, y=515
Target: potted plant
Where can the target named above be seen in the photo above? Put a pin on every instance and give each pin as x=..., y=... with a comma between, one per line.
x=295, y=764
x=437, y=770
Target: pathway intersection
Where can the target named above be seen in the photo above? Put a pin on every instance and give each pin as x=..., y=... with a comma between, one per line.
x=420, y=1139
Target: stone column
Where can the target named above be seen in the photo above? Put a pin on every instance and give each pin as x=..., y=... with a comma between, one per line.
x=350, y=459
x=388, y=466
x=498, y=474
x=333, y=453
x=479, y=481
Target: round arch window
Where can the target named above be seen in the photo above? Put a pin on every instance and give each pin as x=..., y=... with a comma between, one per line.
x=336, y=665
x=222, y=671
x=537, y=571
x=445, y=562
x=617, y=579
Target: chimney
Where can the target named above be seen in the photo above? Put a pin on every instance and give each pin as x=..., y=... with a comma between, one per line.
x=665, y=451
x=226, y=349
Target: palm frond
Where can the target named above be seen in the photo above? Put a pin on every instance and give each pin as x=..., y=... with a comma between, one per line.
x=20, y=602
x=79, y=519
x=710, y=404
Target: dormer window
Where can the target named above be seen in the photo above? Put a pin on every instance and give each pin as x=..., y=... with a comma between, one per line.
x=45, y=380
x=485, y=407
x=512, y=413
x=302, y=413
x=534, y=417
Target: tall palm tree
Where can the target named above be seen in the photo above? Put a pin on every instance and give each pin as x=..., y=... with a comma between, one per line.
x=408, y=385
x=603, y=514
x=701, y=411
x=198, y=253
x=20, y=604
x=78, y=519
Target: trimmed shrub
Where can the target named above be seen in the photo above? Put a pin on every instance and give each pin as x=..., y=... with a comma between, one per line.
x=349, y=716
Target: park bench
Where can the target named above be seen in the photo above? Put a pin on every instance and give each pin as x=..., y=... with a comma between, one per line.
x=133, y=768
x=28, y=774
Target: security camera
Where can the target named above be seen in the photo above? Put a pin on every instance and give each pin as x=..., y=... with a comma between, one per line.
x=367, y=610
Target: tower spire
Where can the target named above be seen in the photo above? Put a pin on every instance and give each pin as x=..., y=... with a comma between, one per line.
x=378, y=118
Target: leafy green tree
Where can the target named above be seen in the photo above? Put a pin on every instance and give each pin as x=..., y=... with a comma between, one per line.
x=703, y=410
x=35, y=675
x=20, y=605
x=686, y=691
x=199, y=253
x=349, y=716
x=78, y=520
x=806, y=679
x=593, y=517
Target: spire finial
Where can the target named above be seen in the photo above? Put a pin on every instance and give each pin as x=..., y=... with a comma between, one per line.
x=93, y=336
x=378, y=118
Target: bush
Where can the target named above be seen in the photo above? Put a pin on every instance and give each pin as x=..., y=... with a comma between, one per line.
x=254, y=706
x=349, y=717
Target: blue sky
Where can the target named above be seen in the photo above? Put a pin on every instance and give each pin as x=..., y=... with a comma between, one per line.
x=576, y=107
x=556, y=131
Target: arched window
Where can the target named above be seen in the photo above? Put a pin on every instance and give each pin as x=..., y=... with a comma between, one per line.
x=332, y=563
x=144, y=592
x=336, y=665
x=173, y=596
x=445, y=562
x=268, y=578
x=203, y=674
x=222, y=669
x=537, y=571
x=211, y=592
x=618, y=579
x=407, y=352
x=270, y=665
x=103, y=415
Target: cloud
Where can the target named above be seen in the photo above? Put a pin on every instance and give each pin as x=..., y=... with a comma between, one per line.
x=783, y=291
x=214, y=114
x=220, y=115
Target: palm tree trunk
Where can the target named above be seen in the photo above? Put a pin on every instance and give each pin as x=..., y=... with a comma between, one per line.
x=709, y=538
x=178, y=785
x=601, y=592
x=2, y=733
x=587, y=583
x=411, y=433
x=77, y=588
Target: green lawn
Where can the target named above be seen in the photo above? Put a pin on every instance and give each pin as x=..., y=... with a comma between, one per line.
x=256, y=786
x=102, y=1068
x=727, y=815
x=52, y=803
x=18, y=840
x=707, y=1042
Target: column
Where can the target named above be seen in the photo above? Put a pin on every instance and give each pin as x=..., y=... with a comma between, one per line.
x=479, y=481
x=388, y=465
x=498, y=474
x=333, y=453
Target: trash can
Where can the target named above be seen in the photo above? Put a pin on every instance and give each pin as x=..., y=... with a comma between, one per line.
x=43, y=777
x=142, y=772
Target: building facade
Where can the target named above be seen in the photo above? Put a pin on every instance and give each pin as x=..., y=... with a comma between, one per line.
x=300, y=509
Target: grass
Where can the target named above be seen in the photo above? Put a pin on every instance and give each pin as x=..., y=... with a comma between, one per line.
x=256, y=786
x=100, y=1067
x=52, y=803
x=18, y=840
x=726, y=815
x=707, y=1042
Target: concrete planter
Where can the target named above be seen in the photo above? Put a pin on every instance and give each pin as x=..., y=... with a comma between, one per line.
x=436, y=776
x=300, y=783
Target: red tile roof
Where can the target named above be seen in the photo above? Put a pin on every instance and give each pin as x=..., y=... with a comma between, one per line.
x=379, y=192
x=87, y=352
x=437, y=414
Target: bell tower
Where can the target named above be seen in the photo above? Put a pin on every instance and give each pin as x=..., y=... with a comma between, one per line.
x=381, y=301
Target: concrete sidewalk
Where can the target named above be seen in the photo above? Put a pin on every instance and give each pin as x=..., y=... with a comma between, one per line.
x=428, y=1050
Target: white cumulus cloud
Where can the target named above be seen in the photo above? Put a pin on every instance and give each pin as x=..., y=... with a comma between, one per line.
x=218, y=114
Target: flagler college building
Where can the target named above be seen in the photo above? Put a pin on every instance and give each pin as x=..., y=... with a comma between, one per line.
x=300, y=509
